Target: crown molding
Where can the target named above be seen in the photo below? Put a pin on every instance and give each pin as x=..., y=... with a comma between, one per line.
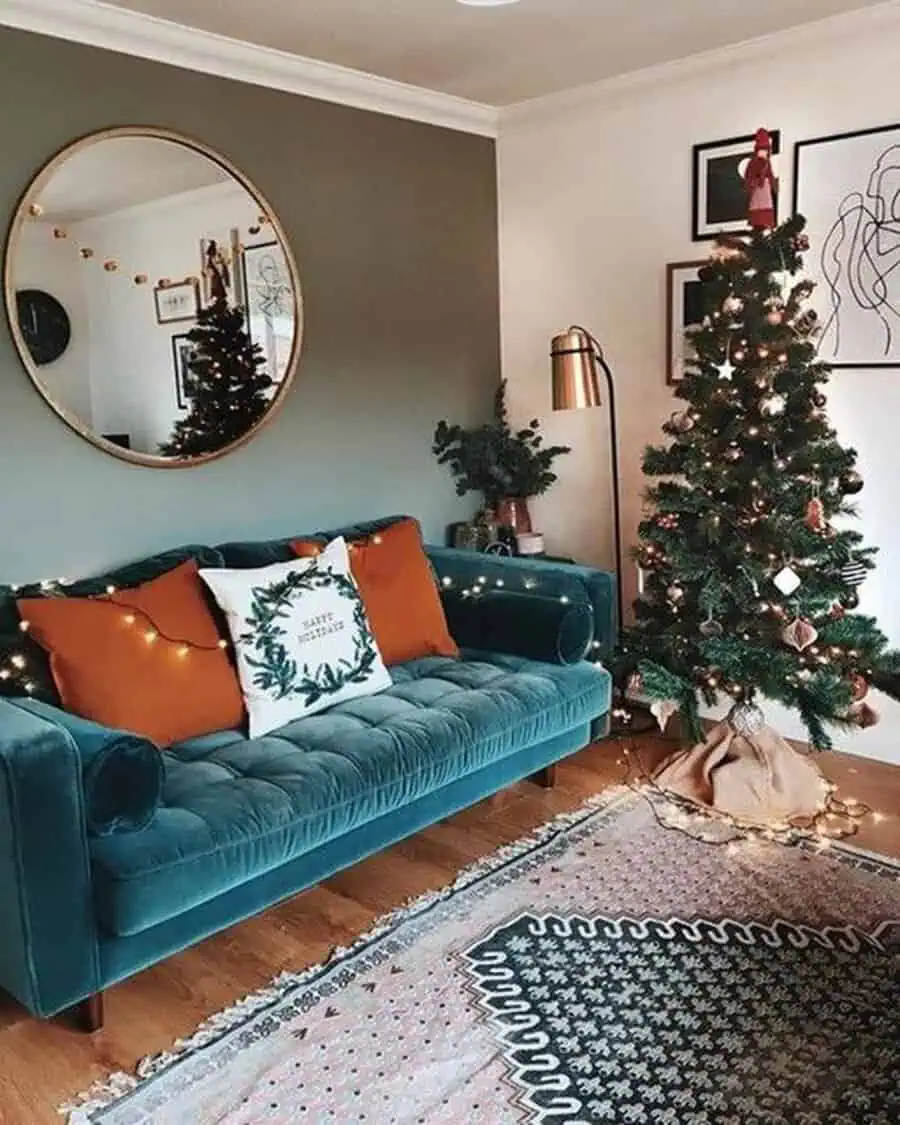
x=880, y=20
x=132, y=33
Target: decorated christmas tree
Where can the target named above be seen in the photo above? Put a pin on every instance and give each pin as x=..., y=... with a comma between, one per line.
x=749, y=570
x=228, y=392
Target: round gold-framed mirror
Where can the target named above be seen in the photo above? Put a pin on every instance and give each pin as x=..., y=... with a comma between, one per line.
x=153, y=297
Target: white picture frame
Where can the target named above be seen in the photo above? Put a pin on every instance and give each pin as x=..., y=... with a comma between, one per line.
x=846, y=187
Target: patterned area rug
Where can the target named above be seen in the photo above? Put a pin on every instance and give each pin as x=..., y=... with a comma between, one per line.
x=606, y=970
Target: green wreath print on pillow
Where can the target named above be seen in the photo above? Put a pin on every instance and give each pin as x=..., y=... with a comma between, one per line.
x=301, y=636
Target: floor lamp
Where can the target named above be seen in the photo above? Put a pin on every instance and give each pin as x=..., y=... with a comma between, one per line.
x=576, y=358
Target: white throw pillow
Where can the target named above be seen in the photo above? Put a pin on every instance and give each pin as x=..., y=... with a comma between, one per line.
x=301, y=636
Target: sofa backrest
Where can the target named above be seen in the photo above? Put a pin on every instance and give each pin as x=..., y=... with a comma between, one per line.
x=242, y=555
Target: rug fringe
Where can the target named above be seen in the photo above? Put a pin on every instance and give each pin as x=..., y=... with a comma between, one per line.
x=107, y=1091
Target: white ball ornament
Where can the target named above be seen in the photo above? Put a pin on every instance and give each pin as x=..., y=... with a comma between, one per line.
x=772, y=406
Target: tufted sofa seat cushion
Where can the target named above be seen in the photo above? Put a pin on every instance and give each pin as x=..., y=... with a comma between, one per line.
x=234, y=808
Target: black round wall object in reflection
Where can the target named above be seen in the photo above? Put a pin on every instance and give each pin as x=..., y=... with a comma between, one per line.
x=44, y=324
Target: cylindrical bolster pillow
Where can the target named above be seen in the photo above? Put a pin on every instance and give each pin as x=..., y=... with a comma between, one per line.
x=528, y=625
x=122, y=773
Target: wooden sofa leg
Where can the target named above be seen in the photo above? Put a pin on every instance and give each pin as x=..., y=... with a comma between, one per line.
x=546, y=777
x=88, y=1015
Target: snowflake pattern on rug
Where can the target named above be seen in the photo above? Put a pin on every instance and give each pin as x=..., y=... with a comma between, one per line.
x=694, y=1023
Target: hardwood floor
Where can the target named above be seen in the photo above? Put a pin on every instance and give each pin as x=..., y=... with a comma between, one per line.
x=43, y=1064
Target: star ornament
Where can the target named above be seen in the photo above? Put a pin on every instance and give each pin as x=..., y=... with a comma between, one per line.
x=726, y=370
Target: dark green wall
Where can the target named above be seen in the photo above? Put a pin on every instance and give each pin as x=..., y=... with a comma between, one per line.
x=395, y=231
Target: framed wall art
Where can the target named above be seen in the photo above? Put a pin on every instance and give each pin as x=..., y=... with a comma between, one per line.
x=686, y=305
x=183, y=351
x=719, y=194
x=847, y=187
x=177, y=301
x=270, y=305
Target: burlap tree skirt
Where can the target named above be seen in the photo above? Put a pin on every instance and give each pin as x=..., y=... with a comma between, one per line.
x=745, y=771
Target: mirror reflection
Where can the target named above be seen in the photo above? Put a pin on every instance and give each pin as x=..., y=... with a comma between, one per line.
x=156, y=302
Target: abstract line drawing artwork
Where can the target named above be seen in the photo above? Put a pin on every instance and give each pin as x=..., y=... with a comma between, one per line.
x=848, y=187
x=271, y=309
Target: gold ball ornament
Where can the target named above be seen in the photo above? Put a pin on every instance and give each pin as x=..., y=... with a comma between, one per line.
x=86, y=253
x=140, y=279
x=111, y=265
x=60, y=233
x=732, y=305
x=35, y=210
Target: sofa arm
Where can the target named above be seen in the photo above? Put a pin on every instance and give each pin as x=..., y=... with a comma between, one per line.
x=461, y=570
x=48, y=936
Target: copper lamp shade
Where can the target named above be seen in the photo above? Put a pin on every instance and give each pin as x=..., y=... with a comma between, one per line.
x=575, y=381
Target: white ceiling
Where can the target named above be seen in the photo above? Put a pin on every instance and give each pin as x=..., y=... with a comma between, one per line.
x=119, y=172
x=494, y=55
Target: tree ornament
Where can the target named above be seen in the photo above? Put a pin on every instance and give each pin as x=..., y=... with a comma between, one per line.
x=818, y=399
x=111, y=265
x=806, y=322
x=853, y=573
x=801, y=242
x=732, y=305
x=710, y=628
x=859, y=686
x=682, y=422
x=837, y=612
x=60, y=233
x=787, y=580
x=86, y=253
x=774, y=317
x=675, y=593
x=663, y=710
x=772, y=405
x=800, y=634
x=850, y=482
x=746, y=719
x=815, y=515
x=850, y=600
x=864, y=715
x=740, y=355
x=761, y=184
x=140, y=279
x=635, y=684
x=733, y=454
x=762, y=351
x=726, y=370
x=35, y=210
x=668, y=521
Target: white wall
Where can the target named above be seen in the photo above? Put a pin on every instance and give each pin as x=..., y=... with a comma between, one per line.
x=595, y=190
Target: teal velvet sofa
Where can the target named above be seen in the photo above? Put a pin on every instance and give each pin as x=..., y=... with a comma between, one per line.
x=243, y=823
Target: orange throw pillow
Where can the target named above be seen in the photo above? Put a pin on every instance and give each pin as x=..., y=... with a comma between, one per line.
x=146, y=660
x=397, y=587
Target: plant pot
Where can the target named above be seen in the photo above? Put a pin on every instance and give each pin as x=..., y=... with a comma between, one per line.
x=513, y=512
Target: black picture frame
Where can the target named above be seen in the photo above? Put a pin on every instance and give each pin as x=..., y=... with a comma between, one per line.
x=182, y=349
x=719, y=202
x=685, y=309
x=826, y=214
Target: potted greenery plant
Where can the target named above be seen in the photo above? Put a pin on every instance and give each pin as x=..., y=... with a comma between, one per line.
x=506, y=466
